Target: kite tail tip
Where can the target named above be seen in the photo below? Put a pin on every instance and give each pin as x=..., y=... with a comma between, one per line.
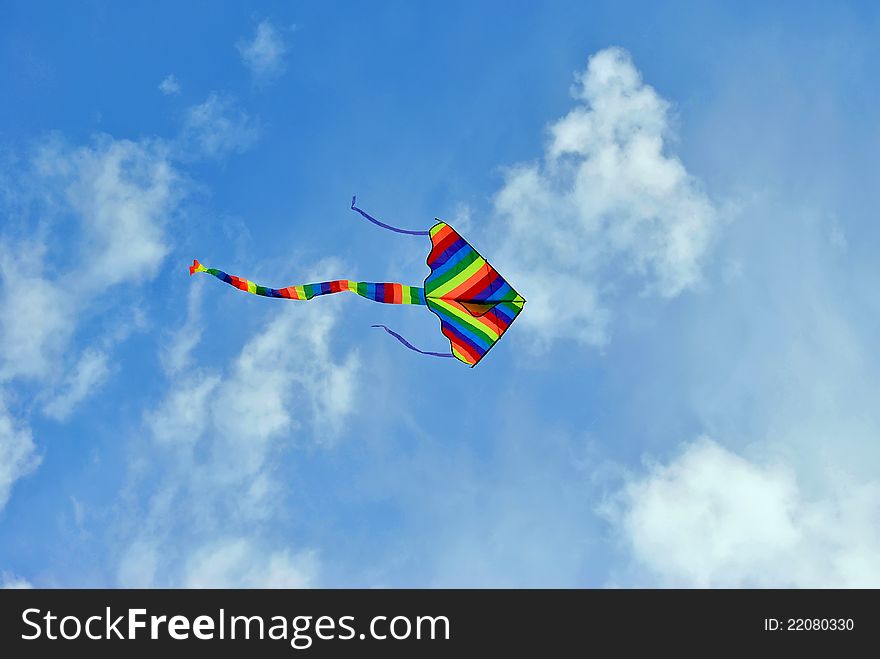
x=195, y=267
x=353, y=200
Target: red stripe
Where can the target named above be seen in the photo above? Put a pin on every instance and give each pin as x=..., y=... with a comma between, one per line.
x=464, y=348
x=442, y=241
x=495, y=321
x=472, y=286
x=490, y=320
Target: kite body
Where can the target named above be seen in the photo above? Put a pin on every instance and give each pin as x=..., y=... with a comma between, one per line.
x=474, y=303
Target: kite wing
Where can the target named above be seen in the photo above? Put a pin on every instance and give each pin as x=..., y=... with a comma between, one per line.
x=474, y=303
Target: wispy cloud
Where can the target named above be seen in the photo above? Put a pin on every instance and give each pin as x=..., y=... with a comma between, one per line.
x=90, y=372
x=607, y=203
x=37, y=313
x=239, y=563
x=215, y=129
x=264, y=53
x=18, y=455
x=176, y=354
x=223, y=432
x=169, y=85
x=9, y=581
x=122, y=194
x=91, y=217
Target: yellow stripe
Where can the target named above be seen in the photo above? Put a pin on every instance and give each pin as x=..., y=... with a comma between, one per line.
x=252, y=287
x=459, y=279
x=460, y=355
x=469, y=320
x=413, y=296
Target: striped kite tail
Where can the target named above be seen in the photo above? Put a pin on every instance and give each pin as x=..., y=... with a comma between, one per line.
x=385, y=292
x=388, y=293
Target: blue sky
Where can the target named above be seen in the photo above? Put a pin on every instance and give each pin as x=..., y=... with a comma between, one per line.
x=685, y=193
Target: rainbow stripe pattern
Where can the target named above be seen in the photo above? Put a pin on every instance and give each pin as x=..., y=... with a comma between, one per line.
x=386, y=292
x=474, y=303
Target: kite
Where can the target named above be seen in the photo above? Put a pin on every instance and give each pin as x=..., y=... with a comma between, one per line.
x=474, y=303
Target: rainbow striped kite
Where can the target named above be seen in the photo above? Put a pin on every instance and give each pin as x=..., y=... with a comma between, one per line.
x=474, y=303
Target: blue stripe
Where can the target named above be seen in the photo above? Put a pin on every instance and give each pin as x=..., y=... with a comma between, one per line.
x=453, y=252
x=465, y=339
x=503, y=312
x=456, y=258
x=503, y=293
x=460, y=327
x=447, y=253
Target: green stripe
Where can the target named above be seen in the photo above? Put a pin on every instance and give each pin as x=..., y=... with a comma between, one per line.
x=436, y=282
x=459, y=322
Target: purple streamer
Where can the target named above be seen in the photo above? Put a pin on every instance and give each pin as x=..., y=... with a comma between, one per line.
x=410, y=345
x=383, y=225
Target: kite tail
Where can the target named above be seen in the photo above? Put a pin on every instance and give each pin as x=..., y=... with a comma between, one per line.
x=410, y=345
x=383, y=225
x=385, y=292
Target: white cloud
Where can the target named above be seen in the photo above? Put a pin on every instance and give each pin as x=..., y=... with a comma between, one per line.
x=18, y=455
x=36, y=315
x=182, y=417
x=90, y=373
x=83, y=219
x=215, y=129
x=176, y=354
x=217, y=439
x=111, y=202
x=264, y=54
x=606, y=203
x=169, y=85
x=239, y=563
x=778, y=366
x=122, y=194
x=462, y=219
x=271, y=391
x=711, y=518
x=9, y=581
